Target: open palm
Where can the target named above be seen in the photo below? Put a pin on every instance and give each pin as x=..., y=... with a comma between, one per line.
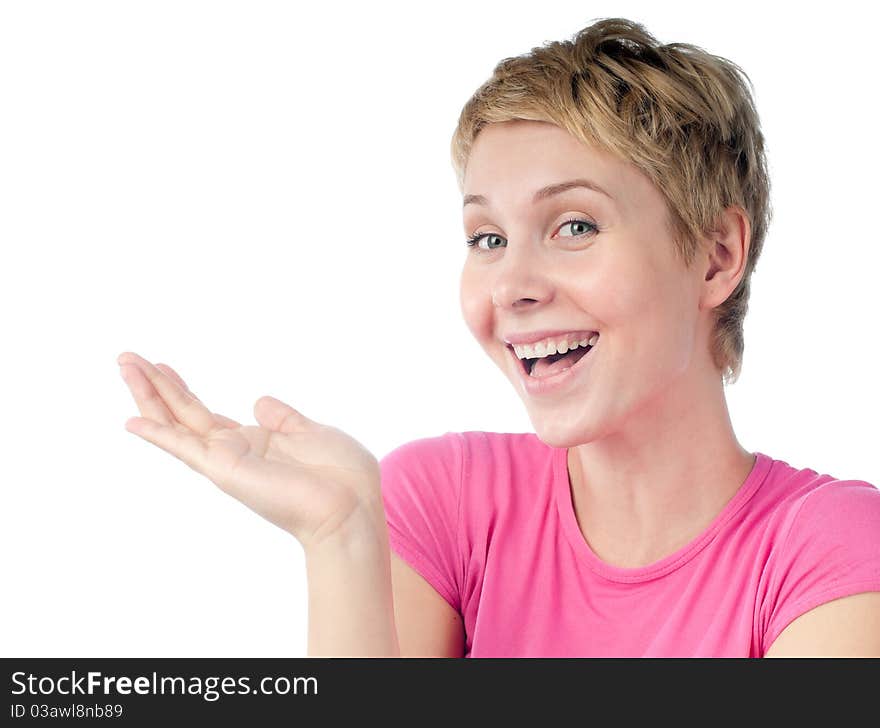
x=303, y=476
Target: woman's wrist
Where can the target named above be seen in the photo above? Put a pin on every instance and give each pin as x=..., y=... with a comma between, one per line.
x=363, y=533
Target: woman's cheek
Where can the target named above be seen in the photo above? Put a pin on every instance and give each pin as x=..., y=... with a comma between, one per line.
x=476, y=307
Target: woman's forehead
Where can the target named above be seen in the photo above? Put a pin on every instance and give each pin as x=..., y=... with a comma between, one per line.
x=510, y=139
x=526, y=157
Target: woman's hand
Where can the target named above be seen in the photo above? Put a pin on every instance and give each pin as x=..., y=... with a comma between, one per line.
x=312, y=480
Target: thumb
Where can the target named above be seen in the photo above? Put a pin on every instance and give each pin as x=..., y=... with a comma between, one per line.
x=277, y=416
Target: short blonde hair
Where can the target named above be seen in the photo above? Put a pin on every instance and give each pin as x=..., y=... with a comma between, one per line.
x=684, y=117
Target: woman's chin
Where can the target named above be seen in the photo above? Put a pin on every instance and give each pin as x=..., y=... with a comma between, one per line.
x=560, y=434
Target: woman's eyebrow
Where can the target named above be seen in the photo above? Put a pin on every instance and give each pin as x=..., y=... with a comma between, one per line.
x=545, y=192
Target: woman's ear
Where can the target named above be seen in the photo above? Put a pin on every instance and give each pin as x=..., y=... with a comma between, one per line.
x=725, y=253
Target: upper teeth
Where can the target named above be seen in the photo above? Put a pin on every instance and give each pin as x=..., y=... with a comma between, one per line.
x=549, y=347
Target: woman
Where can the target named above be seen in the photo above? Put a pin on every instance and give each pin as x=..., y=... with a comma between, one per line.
x=616, y=200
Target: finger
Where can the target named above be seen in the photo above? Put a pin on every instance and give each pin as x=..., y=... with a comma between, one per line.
x=148, y=401
x=175, y=376
x=185, y=446
x=226, y=421
x=221, y=420
x=280, y=417
x=184, y=407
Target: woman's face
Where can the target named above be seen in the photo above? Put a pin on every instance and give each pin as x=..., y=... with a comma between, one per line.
x=613, y=271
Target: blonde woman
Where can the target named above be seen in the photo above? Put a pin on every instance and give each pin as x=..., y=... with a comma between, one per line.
x=615, y=201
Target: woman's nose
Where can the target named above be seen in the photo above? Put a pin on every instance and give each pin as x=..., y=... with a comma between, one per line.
x=520, y=280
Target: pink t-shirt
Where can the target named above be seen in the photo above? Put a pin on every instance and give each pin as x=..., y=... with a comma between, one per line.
x=487, y=519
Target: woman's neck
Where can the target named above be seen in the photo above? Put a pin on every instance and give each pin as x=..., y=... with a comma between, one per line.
x=644, y=492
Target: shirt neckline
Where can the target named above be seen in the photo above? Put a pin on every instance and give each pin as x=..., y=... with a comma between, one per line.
x=565, y=507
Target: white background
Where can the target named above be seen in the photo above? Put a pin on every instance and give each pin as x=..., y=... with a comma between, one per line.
x=260, y=194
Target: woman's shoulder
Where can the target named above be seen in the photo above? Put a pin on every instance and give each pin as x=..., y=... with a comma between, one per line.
x=440, y=489
x=487, y=467
x=805, y=493
x=816, y=515
x=832, y=508
x=474, y=445
x=824, y=543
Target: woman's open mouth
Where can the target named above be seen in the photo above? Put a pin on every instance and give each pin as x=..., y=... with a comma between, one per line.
x=543, y=373
x=544, y=365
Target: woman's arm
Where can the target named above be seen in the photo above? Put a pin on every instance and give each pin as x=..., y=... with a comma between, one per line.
x=845, y=627
x=363, y=603
x=351, y=611
x=427, y=625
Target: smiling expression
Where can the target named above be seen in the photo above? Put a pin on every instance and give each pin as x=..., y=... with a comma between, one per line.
x=573, y=258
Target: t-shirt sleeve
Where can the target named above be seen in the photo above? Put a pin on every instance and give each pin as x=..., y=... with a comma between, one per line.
x=421, y=491
x=832, y=550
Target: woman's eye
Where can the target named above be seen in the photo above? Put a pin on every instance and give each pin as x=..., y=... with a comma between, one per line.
x=492, y=241
x=579, y=229
x=584, y=226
